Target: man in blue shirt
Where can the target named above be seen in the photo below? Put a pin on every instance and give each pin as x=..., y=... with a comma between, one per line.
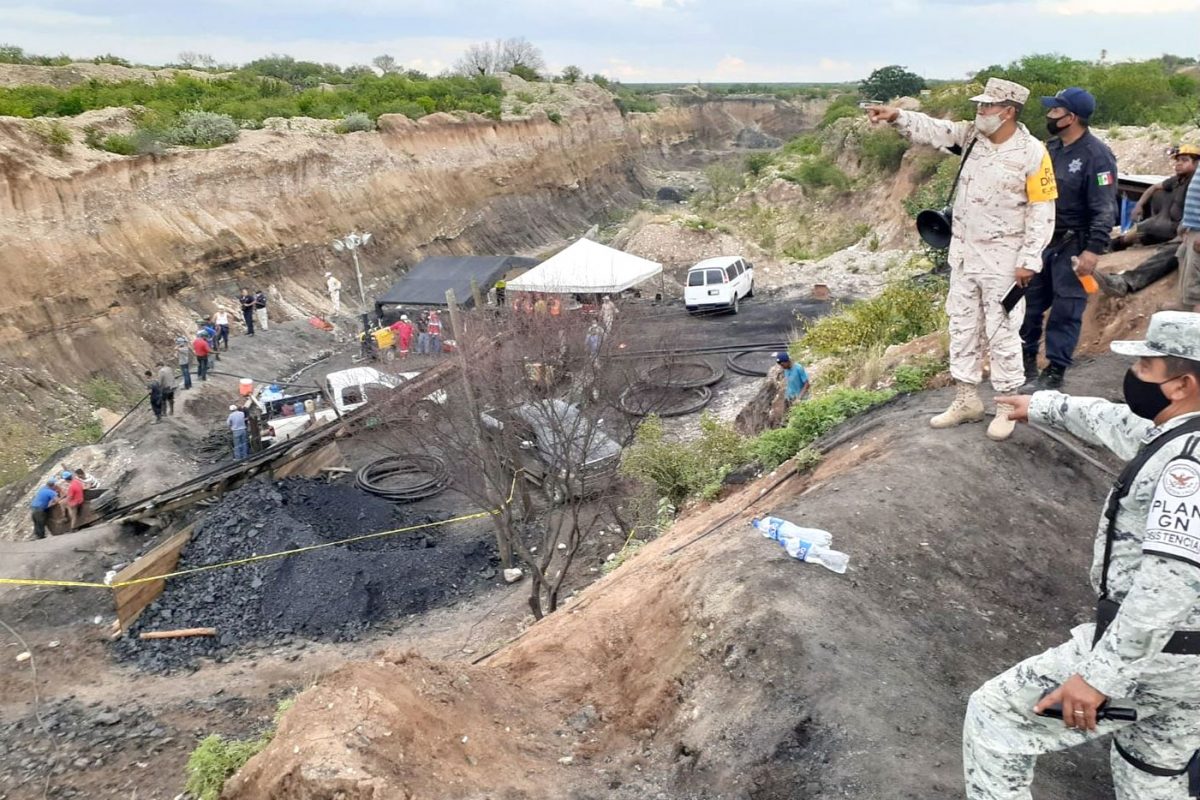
x=1086, y=209
x=1189, y=249
x=43, y=499
x=795, y=379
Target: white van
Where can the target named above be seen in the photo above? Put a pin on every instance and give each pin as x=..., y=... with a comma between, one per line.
x=718, y=283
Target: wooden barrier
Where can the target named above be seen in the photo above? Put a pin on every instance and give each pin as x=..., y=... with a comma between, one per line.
x=132, y=600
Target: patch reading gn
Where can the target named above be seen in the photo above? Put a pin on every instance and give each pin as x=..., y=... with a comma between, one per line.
x=1173, y=525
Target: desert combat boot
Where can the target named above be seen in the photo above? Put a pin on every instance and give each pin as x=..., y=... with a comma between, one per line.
x=967, y=407
x=1001, y=426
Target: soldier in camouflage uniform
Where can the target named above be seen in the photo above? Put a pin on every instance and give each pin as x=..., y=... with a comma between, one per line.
x=1146, y=569
x=1003, y=219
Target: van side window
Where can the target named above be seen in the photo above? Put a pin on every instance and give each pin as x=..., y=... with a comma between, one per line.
x=731, y=271
x=696, y=277
x=714, y=276
x=351, y=395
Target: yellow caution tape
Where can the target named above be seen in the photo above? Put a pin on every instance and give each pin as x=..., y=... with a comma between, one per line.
x=252, y=559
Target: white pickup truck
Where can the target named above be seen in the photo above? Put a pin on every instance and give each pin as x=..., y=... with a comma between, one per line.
x=348, y=389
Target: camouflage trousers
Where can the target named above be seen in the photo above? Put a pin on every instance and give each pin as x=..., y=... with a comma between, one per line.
x=1002, y=737
x=979, y=325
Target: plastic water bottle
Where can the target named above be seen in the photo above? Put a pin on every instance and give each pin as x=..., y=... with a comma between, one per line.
x=810, y=545
x=781, y=530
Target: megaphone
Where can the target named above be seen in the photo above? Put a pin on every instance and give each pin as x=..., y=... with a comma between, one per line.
x=934, y=227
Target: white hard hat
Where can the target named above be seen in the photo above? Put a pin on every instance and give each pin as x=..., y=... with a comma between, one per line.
x=327, y=274
x=233, y=408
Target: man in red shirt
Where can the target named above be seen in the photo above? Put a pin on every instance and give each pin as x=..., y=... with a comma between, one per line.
x=74, y=499
x=202, y=350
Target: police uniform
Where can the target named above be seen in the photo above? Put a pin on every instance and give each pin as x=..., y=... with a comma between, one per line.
x=1086, y=173
x=1147, y=567
x=1002, y=220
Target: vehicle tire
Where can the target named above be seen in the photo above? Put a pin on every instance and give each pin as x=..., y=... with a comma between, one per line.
x=389, y=355
x=751, y=292
x=734, y=305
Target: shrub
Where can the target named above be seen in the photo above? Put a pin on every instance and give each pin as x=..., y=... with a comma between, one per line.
x=806, y=145
x=203, y=129
x=757, y=162
x=54, y=135
x=526, y=97
x=554, y=117
x=841, y=108
x=811, y=419
x=884, y=148
x=678, y=470
x=355, y=121
x=902, y=311
x=817, y=173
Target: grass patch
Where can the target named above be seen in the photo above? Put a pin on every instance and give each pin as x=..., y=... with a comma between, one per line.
x=902, y=311
x=915, y=377
x=809, y=420
x=355, y=122
x=678, y=470
x=106, y=393
x=757, y=163
x=216, y=759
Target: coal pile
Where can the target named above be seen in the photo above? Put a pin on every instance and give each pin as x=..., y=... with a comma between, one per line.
x=332, y=593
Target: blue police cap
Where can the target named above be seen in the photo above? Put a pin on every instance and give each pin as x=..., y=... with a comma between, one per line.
x=1078, y=101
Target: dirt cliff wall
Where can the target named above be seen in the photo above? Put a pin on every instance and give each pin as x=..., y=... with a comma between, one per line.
x=92, y=237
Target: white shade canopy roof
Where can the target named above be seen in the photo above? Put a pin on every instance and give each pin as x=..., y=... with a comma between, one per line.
x=586, y=267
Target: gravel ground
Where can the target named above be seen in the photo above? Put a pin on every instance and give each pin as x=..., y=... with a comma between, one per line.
x=334, y=593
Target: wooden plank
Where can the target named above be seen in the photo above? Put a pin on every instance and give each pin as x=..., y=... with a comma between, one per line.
x=181, y=633
x=132, y=600
x=310, y=465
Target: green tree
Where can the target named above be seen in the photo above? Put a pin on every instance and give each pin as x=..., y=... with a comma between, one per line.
x=571, y=73
x=891, y=81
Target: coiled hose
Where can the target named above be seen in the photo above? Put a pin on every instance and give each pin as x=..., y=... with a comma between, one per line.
x=399, y=478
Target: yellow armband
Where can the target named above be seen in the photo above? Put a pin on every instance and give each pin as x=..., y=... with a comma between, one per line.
x=1040, y=187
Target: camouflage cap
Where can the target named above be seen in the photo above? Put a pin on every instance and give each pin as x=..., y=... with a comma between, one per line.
x=998, y=90
x=1171, y=333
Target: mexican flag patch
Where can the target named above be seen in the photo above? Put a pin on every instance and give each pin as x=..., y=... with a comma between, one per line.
x=1104, y=178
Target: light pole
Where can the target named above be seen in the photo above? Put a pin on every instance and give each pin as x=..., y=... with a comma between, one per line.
x=352, y=241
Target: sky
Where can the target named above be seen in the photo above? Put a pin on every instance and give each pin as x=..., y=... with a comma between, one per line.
x=628, y=40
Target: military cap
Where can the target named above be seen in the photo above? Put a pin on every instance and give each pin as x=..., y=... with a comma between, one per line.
x=998, y=90
x=1171, y=333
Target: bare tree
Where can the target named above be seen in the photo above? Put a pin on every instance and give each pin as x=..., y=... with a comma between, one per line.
x=192, y=59
x=533, y=419
x=516, y=55
x=385, y=64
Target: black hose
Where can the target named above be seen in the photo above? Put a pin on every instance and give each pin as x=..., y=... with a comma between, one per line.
x=703, y=350
x=672, y=374
x=380, y=475
x=701, y=395
x=117, y=424
x=734, y=362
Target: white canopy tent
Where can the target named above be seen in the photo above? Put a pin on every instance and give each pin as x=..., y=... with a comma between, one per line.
x=586, y=267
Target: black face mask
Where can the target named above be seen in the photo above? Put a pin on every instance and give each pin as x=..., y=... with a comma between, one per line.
x=1145, y=398
x=1052, y=125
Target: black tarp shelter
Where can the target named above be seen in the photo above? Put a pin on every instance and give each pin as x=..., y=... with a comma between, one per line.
x=426, y=283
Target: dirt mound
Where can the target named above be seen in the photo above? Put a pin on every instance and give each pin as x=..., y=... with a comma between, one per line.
x=726, y=669
x=81, y=72
x=333, y=592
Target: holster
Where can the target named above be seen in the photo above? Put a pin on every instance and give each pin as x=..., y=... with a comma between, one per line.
x=1106, y=612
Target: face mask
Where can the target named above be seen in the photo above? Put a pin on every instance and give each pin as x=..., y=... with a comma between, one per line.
x=1052, y=125
x=1145, y=398
x=987, y=124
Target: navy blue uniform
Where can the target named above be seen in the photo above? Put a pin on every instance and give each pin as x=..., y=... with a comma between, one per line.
x=1086, y=210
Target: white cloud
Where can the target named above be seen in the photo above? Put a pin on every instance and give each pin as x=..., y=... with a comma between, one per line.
x=47, y=17
x=1116, y=7
x=731, y=66
x=659, y=3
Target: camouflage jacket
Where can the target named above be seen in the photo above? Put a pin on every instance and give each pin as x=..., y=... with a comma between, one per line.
x=1004, y=206
x=1158, y=587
